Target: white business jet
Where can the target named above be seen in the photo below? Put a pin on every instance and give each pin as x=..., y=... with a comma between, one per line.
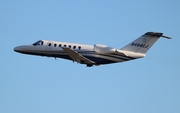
x=90, y=55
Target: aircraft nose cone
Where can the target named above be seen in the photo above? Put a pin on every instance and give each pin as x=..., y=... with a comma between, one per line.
x=18, y=49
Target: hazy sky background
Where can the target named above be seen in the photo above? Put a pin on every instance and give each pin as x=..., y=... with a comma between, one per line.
x=34, y=84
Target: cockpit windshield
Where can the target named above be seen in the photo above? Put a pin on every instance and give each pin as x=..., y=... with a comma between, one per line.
x=38, y=43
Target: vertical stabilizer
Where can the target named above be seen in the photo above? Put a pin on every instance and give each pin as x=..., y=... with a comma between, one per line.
x=144, y=43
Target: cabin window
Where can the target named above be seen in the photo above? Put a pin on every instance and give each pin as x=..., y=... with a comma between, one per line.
x=55, y=45
x=64, y=45
x=69, y=46
x=59, y=45
x=79, y=47
x=49, y=44
x=74, y=47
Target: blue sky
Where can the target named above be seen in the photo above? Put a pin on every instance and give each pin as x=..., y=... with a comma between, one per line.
x=33, y=84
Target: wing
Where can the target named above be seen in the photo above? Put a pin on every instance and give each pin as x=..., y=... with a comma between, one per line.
x=78, y=57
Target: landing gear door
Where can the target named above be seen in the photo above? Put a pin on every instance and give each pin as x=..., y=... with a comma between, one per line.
x=49, y=46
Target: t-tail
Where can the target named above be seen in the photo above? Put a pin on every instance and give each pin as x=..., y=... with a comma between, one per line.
x=143, y=43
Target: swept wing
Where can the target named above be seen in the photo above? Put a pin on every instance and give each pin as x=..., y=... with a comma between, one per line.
x=78, y=57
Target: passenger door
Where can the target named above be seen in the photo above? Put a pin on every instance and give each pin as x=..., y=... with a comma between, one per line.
x=49, y=46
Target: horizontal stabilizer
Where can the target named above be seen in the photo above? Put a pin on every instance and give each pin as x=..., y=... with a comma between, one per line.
x=166, y=37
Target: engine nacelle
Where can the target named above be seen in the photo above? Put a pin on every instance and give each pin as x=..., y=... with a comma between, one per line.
x=103, y=49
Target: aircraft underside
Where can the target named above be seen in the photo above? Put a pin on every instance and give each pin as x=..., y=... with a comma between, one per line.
x=99, y=59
